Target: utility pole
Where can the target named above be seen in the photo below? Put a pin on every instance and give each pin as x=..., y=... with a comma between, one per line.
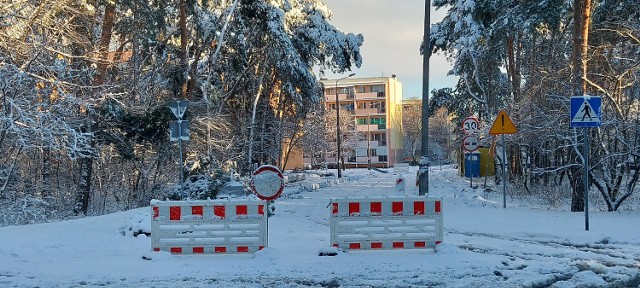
x=423, y=188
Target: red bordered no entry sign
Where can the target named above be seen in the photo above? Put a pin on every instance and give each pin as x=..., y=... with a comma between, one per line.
x=267, y=182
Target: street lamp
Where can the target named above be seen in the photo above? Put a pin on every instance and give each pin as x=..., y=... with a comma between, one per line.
x=338, y=122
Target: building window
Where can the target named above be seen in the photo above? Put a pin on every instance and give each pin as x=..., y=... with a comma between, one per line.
x=331, y=106
x=352, y=159
x=362, y=105
x=362, y=121
x=378, y=120
x=382, y=158
x=360, y=89
x=380, y=137
x=377, y=88
x=373, y=152
x=348, y=107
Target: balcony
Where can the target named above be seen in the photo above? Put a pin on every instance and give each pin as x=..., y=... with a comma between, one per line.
x=372, y=144
x=367, y=111
x=368, y=95
x=341, y=97
x=365, y=128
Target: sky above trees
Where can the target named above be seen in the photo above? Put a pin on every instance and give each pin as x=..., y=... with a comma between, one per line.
x=392, y=35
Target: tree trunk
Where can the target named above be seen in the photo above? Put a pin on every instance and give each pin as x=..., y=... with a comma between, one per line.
x=105, y=39
x=84, y=187
x=511, y=68
x=183, y=47
x=253, y=119
x=581, y=18
x=86, y=164
x=46, y=172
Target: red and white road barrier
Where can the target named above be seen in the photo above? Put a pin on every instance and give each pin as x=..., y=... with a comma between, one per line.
x=386, y=222
x=208, y=226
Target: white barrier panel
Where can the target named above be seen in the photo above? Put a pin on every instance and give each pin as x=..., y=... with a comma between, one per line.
x=208, y=226
x=399, y=168
x=386, y=222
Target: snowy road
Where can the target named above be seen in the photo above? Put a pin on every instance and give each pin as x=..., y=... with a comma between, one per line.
x=484, y=246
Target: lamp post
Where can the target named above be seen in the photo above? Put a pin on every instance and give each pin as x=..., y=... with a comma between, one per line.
x=368, y=141
x=338, y=122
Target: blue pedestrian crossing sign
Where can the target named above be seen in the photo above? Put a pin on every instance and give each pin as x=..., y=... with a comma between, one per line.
x=586, y=111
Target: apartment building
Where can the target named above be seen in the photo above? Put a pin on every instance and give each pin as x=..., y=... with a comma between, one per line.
x=374, y=108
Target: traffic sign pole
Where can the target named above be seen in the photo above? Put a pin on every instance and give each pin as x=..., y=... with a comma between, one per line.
x=503, y=125
x=586, y=179
x=179, y=128
x=504, y=175
x=585, y=111
x=181, y=164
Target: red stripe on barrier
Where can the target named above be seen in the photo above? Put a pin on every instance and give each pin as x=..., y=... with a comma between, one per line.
x=156, y=212
x=354, y=208
x=220, y=249
x=198, y=250
x=243, y=249
x=196, y=210
x=376, y=245
x=261, y=209
x=398, y=244
x=219, y=211
x=260, y=247
x=397, y=207
x=177, y=250
x=354, y=245
x=420, y=244
x=336, y=245
x=156, y=249
x=334, y=211
x=438, y=207
x=376, y=208
x=438, y=242
x=418, y=208
x=242, y=210
x=174, y=213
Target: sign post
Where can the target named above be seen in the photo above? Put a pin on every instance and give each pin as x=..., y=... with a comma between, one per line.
x=586, y=112
x=503, y=125
x=179, y=131
x=470, y=144
x=267, y=183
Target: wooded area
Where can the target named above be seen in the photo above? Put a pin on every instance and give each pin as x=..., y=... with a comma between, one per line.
x=84, y=87
x=530, y=57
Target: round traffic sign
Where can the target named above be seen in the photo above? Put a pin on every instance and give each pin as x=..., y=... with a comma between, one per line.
x=470, y=125
x=267, y=182
x=470, y=143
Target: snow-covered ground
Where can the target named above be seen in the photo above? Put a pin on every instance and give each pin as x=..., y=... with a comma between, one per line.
x=484, y=246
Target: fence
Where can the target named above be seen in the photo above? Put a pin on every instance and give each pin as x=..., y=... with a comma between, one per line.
x=386, y=223
x=208, y=226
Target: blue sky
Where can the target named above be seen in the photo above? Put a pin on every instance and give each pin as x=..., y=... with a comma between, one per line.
x=392, y=35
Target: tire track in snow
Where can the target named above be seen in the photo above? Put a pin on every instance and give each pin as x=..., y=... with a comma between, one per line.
x=602, y=258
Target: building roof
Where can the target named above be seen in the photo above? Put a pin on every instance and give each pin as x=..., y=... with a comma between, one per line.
x=357, y=81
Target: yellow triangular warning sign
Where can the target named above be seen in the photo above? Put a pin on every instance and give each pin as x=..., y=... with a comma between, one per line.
x=503, y=125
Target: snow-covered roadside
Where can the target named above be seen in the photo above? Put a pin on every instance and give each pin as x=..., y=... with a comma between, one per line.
x=484, y=246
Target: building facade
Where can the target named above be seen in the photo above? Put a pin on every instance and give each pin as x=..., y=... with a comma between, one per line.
x=373, y=109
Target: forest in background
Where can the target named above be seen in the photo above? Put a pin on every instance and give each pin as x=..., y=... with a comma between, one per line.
x=84, y=88
x=529, y=58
